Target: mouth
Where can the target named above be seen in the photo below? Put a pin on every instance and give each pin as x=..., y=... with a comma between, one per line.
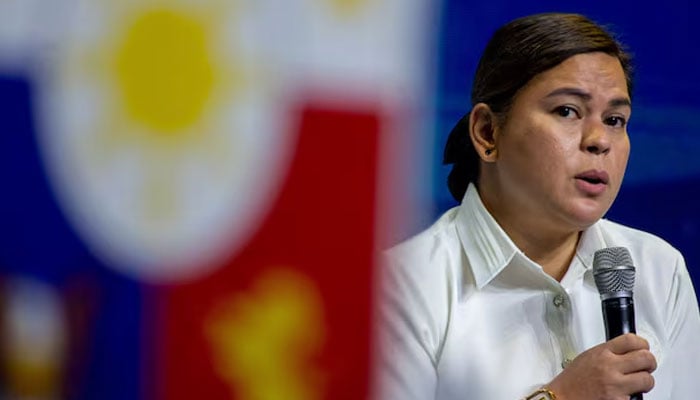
x=594, y=177
x=592, y=183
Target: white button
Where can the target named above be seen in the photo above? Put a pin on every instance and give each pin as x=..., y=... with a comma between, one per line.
x=565, y=363
x=559, y=300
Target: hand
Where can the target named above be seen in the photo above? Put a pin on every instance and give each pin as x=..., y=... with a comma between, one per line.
x=613, y=370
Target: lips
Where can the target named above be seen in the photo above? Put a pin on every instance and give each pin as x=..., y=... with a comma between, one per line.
x=592, y=182
x=594, y=176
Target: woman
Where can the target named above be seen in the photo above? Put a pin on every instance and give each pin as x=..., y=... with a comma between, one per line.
x=497, y=300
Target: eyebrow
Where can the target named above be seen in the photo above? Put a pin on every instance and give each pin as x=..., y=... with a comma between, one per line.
x=585, y=96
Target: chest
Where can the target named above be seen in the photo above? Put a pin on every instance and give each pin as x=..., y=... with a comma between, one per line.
x=502, y=343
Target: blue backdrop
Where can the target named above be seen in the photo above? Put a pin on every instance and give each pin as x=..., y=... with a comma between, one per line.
x=663, y=175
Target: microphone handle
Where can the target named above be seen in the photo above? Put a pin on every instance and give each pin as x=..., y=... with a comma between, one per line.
x=618, y=314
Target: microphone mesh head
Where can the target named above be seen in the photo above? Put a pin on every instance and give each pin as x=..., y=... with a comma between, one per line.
x=613, y=271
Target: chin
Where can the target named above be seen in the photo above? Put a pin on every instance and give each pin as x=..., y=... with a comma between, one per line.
x=584, y=224
x=584, y=217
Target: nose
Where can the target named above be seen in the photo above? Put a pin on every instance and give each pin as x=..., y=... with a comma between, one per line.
x=596, y=138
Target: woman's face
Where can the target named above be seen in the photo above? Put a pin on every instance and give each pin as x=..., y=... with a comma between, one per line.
x=562, y=151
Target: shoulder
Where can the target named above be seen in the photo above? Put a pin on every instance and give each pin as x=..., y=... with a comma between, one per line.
x=643, y=246
x=418, y=281
x=660, y=267
x=426, y=256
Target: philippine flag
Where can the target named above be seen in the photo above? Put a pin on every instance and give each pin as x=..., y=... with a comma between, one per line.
x=194, y=191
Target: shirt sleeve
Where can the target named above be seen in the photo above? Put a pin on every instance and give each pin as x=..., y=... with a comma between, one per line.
x=683, y=321
x=405, y=361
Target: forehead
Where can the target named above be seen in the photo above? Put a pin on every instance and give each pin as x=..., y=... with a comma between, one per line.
x=599, y=74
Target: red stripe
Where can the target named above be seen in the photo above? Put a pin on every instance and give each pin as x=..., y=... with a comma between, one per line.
x=323, y=226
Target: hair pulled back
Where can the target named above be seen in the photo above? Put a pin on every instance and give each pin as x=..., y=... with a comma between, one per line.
x=518, y=51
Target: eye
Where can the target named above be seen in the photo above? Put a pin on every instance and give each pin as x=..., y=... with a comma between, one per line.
x=566, y=112
x=616, y=121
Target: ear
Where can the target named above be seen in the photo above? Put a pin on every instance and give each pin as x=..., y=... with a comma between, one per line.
x=483, y=131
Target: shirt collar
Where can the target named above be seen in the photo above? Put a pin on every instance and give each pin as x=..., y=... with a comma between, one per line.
x=489, y=249
x=591, y=241
x=487, y=246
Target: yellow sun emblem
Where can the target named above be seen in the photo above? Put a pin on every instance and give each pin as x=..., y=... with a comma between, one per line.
x=164, y=70
x=159, y=129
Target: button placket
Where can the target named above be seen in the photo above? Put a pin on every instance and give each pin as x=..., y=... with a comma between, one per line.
x=559, y=319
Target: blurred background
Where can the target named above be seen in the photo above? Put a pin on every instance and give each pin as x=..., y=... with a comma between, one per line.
x=192, y=192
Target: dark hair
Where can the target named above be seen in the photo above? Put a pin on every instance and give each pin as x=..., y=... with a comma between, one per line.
x=518, y=51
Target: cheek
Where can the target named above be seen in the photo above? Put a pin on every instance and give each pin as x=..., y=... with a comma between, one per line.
x=622, y=156
x=538, y=147
x=538, y=164
x=555, y=154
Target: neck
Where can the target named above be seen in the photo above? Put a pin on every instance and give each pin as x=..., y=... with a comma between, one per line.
x=548, y=244
x=553, y=252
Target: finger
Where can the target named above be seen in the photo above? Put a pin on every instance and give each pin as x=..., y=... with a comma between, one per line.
x=637, y=361
x=627, y=342
x=638, y=382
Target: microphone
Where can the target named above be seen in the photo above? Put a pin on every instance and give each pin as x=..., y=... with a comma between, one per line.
x=613, y=272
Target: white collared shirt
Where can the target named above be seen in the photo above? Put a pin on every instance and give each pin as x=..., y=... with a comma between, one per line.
x=464, y=314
